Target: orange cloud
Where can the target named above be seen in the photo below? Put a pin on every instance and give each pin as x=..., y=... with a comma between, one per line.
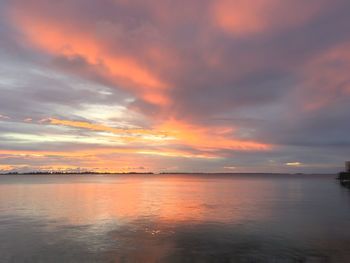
x=208, y=138
x=94, y=159
x=100, y=127
x=326, y=78
x=114, y=63
x=177, y=132
x=6, y=168
x=102, y=155
x=244, y=17
x=60, y=39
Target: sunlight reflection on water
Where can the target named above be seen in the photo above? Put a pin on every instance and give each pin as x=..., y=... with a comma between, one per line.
x=174, y=218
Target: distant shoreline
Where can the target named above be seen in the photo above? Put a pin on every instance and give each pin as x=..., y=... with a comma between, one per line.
x=162, y=173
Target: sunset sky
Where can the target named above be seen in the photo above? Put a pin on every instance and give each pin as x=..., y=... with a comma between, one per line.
x=175, y=85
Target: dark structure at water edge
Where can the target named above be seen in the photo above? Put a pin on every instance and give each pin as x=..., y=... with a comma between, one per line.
x=344, y=177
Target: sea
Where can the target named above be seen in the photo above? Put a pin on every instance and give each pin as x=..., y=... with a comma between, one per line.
x=174, y=218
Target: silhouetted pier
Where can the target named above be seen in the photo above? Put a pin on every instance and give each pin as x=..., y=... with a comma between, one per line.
x=344, y=177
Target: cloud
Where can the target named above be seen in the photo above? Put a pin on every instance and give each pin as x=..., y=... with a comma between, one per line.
x=294, y=164
x=246, y=17
x=47, y=32
x=241, y=82
x=173, y=132
x=326, y=78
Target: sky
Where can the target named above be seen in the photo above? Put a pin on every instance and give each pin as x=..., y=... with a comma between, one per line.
x=173, y=86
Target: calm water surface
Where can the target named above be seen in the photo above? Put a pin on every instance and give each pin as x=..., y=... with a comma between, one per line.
x=174, y=218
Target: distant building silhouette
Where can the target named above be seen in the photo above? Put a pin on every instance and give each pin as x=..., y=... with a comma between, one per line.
x=347, y=166
x=344, y=177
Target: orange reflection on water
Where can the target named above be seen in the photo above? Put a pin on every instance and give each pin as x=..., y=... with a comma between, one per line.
x=94, y=199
